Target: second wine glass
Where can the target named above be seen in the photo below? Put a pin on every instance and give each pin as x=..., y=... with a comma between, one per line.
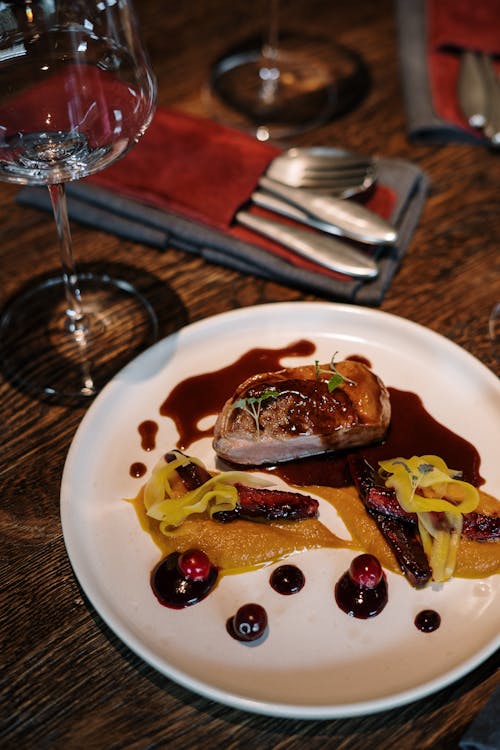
x=76, y=92
x=285, y=85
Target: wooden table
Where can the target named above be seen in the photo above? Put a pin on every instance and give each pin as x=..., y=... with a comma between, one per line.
x=67, y=681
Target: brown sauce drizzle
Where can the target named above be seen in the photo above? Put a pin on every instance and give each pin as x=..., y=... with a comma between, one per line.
x=204, y=395
x=137, y=469
x=148, y=430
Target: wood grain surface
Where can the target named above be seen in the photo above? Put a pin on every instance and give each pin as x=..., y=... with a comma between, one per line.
x=67, y=682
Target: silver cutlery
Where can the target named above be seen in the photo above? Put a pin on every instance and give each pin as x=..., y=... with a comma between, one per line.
x=327, y=251
x=338, y=216
x=479, y=94
x=272, y=203
x=306, y=184
x=471, y=90
x=492, y=84
x=337, y=171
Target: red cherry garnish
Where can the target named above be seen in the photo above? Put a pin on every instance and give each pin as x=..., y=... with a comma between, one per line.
x=366, y=571
x=194, y=564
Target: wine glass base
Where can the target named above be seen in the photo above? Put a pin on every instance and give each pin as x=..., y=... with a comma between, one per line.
x=40, y=353
x=316, y=82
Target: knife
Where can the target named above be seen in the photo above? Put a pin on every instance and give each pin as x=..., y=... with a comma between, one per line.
x=472, y=93
x=344, y=218
x=492, y=86
x=479, y=94
x=328, y=252
x=277, y=205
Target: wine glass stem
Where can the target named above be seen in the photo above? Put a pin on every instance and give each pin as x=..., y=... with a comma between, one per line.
x=270, y=49
x=269, y=72
x=74, y=308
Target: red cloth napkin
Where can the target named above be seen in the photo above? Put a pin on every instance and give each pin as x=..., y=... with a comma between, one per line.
x=455, y=25
x=205, y=171
x=192, y=166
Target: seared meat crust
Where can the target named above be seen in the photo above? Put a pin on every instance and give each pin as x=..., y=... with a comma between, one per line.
x=304, y=418
x=273, y=505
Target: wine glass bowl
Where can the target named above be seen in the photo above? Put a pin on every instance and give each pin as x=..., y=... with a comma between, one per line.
x=76, y=93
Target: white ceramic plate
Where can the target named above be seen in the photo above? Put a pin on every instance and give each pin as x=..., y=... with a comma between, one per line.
x=316, y=662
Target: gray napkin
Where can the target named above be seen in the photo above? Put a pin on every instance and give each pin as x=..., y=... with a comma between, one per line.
x=423, y=124
x=484, y=732
x=110, y=212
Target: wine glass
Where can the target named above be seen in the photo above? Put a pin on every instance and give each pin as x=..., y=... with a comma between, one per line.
x=76, y=92
x=285, y=85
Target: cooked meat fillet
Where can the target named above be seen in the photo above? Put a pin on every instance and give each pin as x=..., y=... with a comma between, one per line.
x=301, y=417
x=191, y=474
x=405, y=542
x=480, y=527
x=400, y=532
x=273, y=505
x=253, y=502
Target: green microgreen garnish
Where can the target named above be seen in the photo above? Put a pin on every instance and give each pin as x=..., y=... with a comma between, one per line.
x=336, y=378
x=253, y=405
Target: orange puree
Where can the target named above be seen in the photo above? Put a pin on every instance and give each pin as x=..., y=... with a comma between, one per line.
x=474, y=559
x=361, y=527
x=241, y=545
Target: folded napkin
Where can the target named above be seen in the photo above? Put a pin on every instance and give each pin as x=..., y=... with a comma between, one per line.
x=432, y=34
x=185, y=180
x=484, y=732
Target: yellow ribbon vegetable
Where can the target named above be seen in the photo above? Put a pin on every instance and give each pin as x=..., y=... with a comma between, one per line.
x=426, y=486
x=216, y=494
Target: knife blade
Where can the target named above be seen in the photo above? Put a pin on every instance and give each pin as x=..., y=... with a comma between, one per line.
x=345, y=218
x=479, y=94
x=272, y=203
x=492, y=86
x=472, y=94
x=328, y=252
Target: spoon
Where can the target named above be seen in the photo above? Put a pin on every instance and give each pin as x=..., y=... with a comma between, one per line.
x=324, y=169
